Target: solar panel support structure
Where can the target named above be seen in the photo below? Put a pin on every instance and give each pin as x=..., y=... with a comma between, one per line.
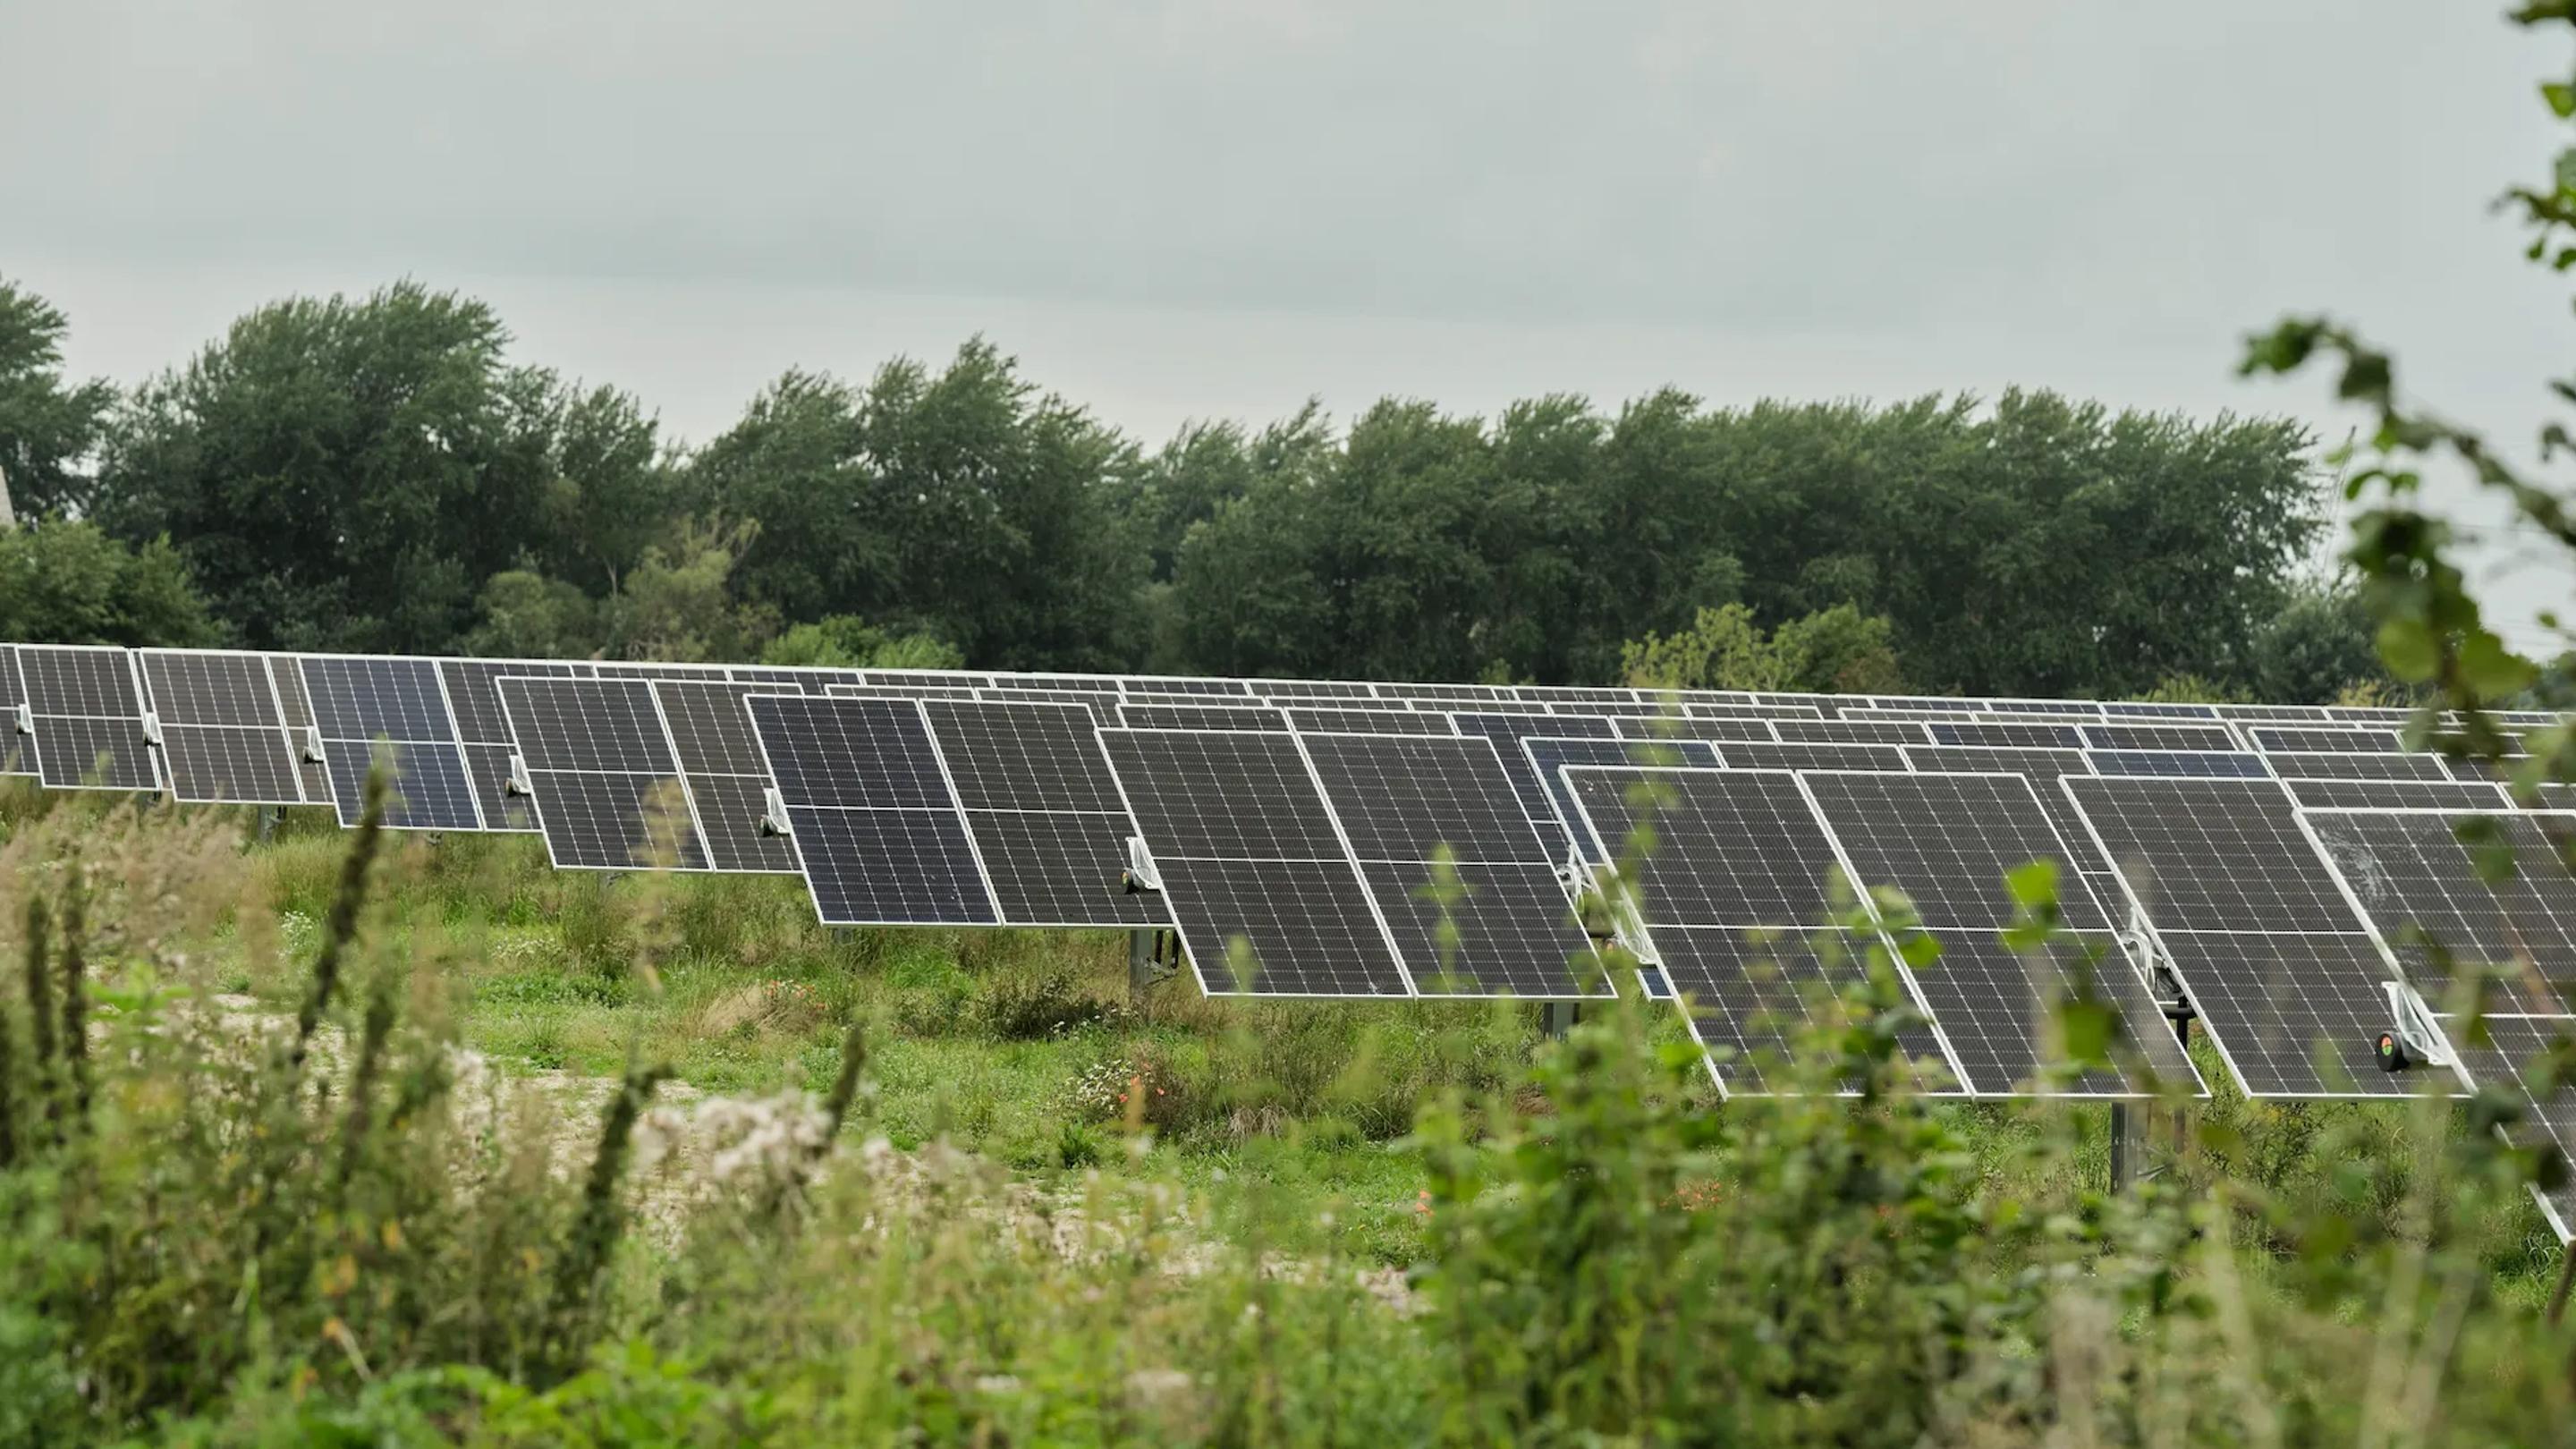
x=1153, y=956
x=1561, y=1018
x=2412, y=1023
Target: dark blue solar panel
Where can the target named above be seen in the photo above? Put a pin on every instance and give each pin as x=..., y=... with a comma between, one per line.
x=364, y=699
x=2188, y=764
x=429, y=789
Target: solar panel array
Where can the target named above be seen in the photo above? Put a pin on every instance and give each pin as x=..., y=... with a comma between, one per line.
x=2282, y=865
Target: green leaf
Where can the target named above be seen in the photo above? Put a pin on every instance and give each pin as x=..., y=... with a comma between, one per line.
x=2406, y=646
x=2366, y=377
x=2561, y=97
x=2493, y=670
x=2033, y=885
x=2090, y=1027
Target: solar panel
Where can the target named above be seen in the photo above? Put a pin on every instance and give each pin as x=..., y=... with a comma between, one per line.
x=2269, y=738
x=2180, y=764
x=286, y=675
x=484, y=729
x=806, y=680
x=1549, y=757
x=87, y=717
x=2042, y=768
x=1505, y=732
x=223, y=732
x=877, y=830
x=1852, y=732
x=2275, y=958
x=1166, y=684
x=721, y=767
x=602, y=771
x=1250, y=858
x=16, y=758
x=1732, y=897
x=2160, y=737
x=2422, y=887
x=2290, y=766
x=1470, y=694
x=1669, y=727
x=1368, y=722
x=1044, y=812
x=900, y=691
x=1759, y=756
x=2398, y=794
x=2160, y=711
x=1948, y=841
x=2022, y=736
x=1318, y=689
x=2531, y=1057
x=907, y=678
x=1101, y=705
x=1199, y=717
x=1497, y=921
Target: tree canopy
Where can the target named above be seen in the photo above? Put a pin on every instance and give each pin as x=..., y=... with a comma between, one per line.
x=382, y=473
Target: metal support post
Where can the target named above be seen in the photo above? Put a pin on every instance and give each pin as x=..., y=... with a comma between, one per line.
x=1561, y=1017
x=1140, y=964
x=2120, y=1164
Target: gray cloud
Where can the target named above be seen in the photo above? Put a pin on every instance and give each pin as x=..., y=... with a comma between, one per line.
x=1179, y=209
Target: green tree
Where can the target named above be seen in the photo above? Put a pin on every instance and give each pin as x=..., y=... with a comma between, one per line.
x=2318, y=646
x=1833, y=651
x=680, y=606
x=69, y=583
x=845, y=641
x=963, y=503
x=47, y=428
x=347, y=473
x=525, y=615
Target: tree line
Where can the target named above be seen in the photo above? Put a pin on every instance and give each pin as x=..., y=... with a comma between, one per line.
x=381, y=474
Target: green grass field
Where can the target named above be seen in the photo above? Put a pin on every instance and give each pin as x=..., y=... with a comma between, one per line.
x=1307, y=1223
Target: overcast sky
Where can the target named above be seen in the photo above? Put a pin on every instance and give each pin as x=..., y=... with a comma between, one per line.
x=1190, y=210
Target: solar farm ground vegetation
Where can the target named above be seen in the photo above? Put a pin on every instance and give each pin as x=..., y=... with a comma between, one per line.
x=565, y=1159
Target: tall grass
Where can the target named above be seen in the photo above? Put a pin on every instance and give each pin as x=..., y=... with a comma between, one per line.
x=312, y=1218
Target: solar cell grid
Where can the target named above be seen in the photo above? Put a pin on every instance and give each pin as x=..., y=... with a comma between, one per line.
x=1323, y=689
x=588, y=724
x=93, y=682
x=1141, y=685
x=2160, y=737
x=875, y=825
x=1233, y=795
x=2275, y=956
x=1043, y=809
x=1948, y=842
x=2070, y=707
x=1732, y=896
x=2397, y=794
x=605, y=779
x=1101, y=705
x=937, y=678
x=17, y=755
x=2422, y=888
x=1400, y=797
x=2118, y=708
x=1666, y=727
x=232, y=764
x=209, y=688
x=899, y=691
x=1760, y=756
x=75, y=752
x=2024, y=736
x=1485, y=929
x=1368, y=722
x=1199, y=717
x=1852, y=732
x=1549, y=757
x=2179, y=764
x=363, y=699
x=2531, y=1057
x=2290, y=766
x=2323, y=741
x=849, y=753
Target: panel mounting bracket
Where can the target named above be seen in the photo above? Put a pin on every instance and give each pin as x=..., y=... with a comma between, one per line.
x=313, y=745
x=773, y=813
x=1140, y=874
x=24, y=716
x=518, y=782
x=151, y=727
x=2413, y=1023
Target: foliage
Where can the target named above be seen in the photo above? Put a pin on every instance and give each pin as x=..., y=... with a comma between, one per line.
x=48, y=428
x=71, y=583
x=679, y=604
x=845, y=641
x=1834, y=651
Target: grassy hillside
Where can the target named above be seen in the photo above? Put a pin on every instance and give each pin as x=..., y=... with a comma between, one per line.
x=954, y=1186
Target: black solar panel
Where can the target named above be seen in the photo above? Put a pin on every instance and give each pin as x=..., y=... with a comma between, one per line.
x=287, y=676
x=1403, y=802
x=800, y=680
x=2323, y=741
x=1759, y=756
x=1368, y=722
x=2421, y=886
x=2530, y=1056
x=899, y=691
x=88, y=718
x=1199, y=717
x=877, y=831
x=2042, y=768
x=1505, y=732
x=223, y=733
x=2180, y=764
x=359, y=701
x=603, y=773
x=1265, y=896
x=1044, y=811
x=2397, y=794
x=720, y=764
x=1317, y=689
x=937, y=678
x=1948, y=842
x=2280, y=966
x=1102, y=705
x=2160, y=737
x=1668, y=727
x=1731, y=896
x=1140, y=685
x=2159, y=711
x=1852, y=732
x=2052, y=707
x=1548, y=758
x=474, y=695
x=2022, y=736
x=2355, y=767
x=17, y=757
